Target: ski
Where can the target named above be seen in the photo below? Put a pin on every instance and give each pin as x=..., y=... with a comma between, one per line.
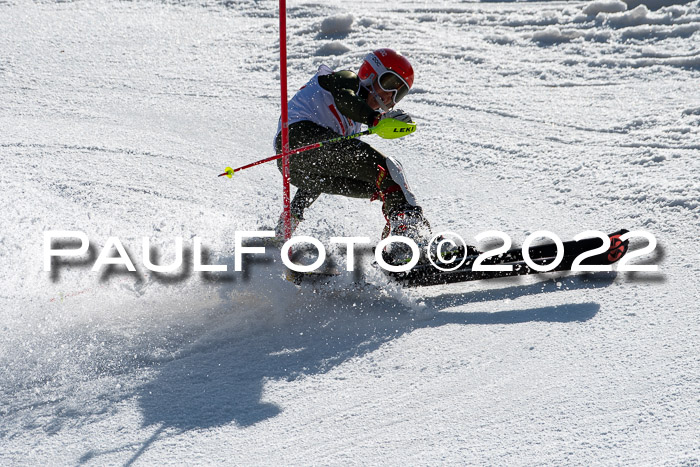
x=426, y=274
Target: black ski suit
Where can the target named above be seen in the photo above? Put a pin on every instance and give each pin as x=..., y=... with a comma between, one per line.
x=347, y=168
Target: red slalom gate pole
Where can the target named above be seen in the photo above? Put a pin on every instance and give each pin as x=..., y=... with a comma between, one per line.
x=284, y=123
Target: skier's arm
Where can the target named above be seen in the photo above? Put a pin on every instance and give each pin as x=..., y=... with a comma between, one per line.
x=343, y=85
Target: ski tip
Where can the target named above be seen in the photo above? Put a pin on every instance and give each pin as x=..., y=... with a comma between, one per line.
x=618, y=248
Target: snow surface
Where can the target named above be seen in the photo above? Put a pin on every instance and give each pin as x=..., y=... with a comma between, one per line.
x=116, y=118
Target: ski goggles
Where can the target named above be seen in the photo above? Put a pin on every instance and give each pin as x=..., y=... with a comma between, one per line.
x=391, y=82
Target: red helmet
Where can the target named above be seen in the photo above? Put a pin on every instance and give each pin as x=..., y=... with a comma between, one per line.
x=390, y=70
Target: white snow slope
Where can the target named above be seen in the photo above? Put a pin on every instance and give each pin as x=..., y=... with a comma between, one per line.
x=116, y=117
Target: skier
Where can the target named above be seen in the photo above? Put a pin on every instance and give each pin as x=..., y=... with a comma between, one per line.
x=338, y=103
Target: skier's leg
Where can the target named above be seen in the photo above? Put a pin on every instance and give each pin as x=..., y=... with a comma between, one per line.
x=352, y=159
x=300, y=134
x=354, y=168
x=319, y=171
x=404, y=216
x=303, y=198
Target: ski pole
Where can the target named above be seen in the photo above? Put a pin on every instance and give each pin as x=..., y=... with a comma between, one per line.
x=388, y=128
x=229, y=171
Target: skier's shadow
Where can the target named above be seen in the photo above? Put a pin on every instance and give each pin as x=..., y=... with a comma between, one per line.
x=222, y=381
x=583, y=281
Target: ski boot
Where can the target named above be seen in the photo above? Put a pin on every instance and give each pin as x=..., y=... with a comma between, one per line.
x=406, y=222
x=446, y=250
x=278, y=240
x=409, y=222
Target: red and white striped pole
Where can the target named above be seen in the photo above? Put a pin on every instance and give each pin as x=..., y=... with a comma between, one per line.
x=285, y=125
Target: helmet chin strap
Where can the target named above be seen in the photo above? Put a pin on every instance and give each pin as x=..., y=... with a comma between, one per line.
x=369, y=85
x=381, y=103
x=379, y=100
